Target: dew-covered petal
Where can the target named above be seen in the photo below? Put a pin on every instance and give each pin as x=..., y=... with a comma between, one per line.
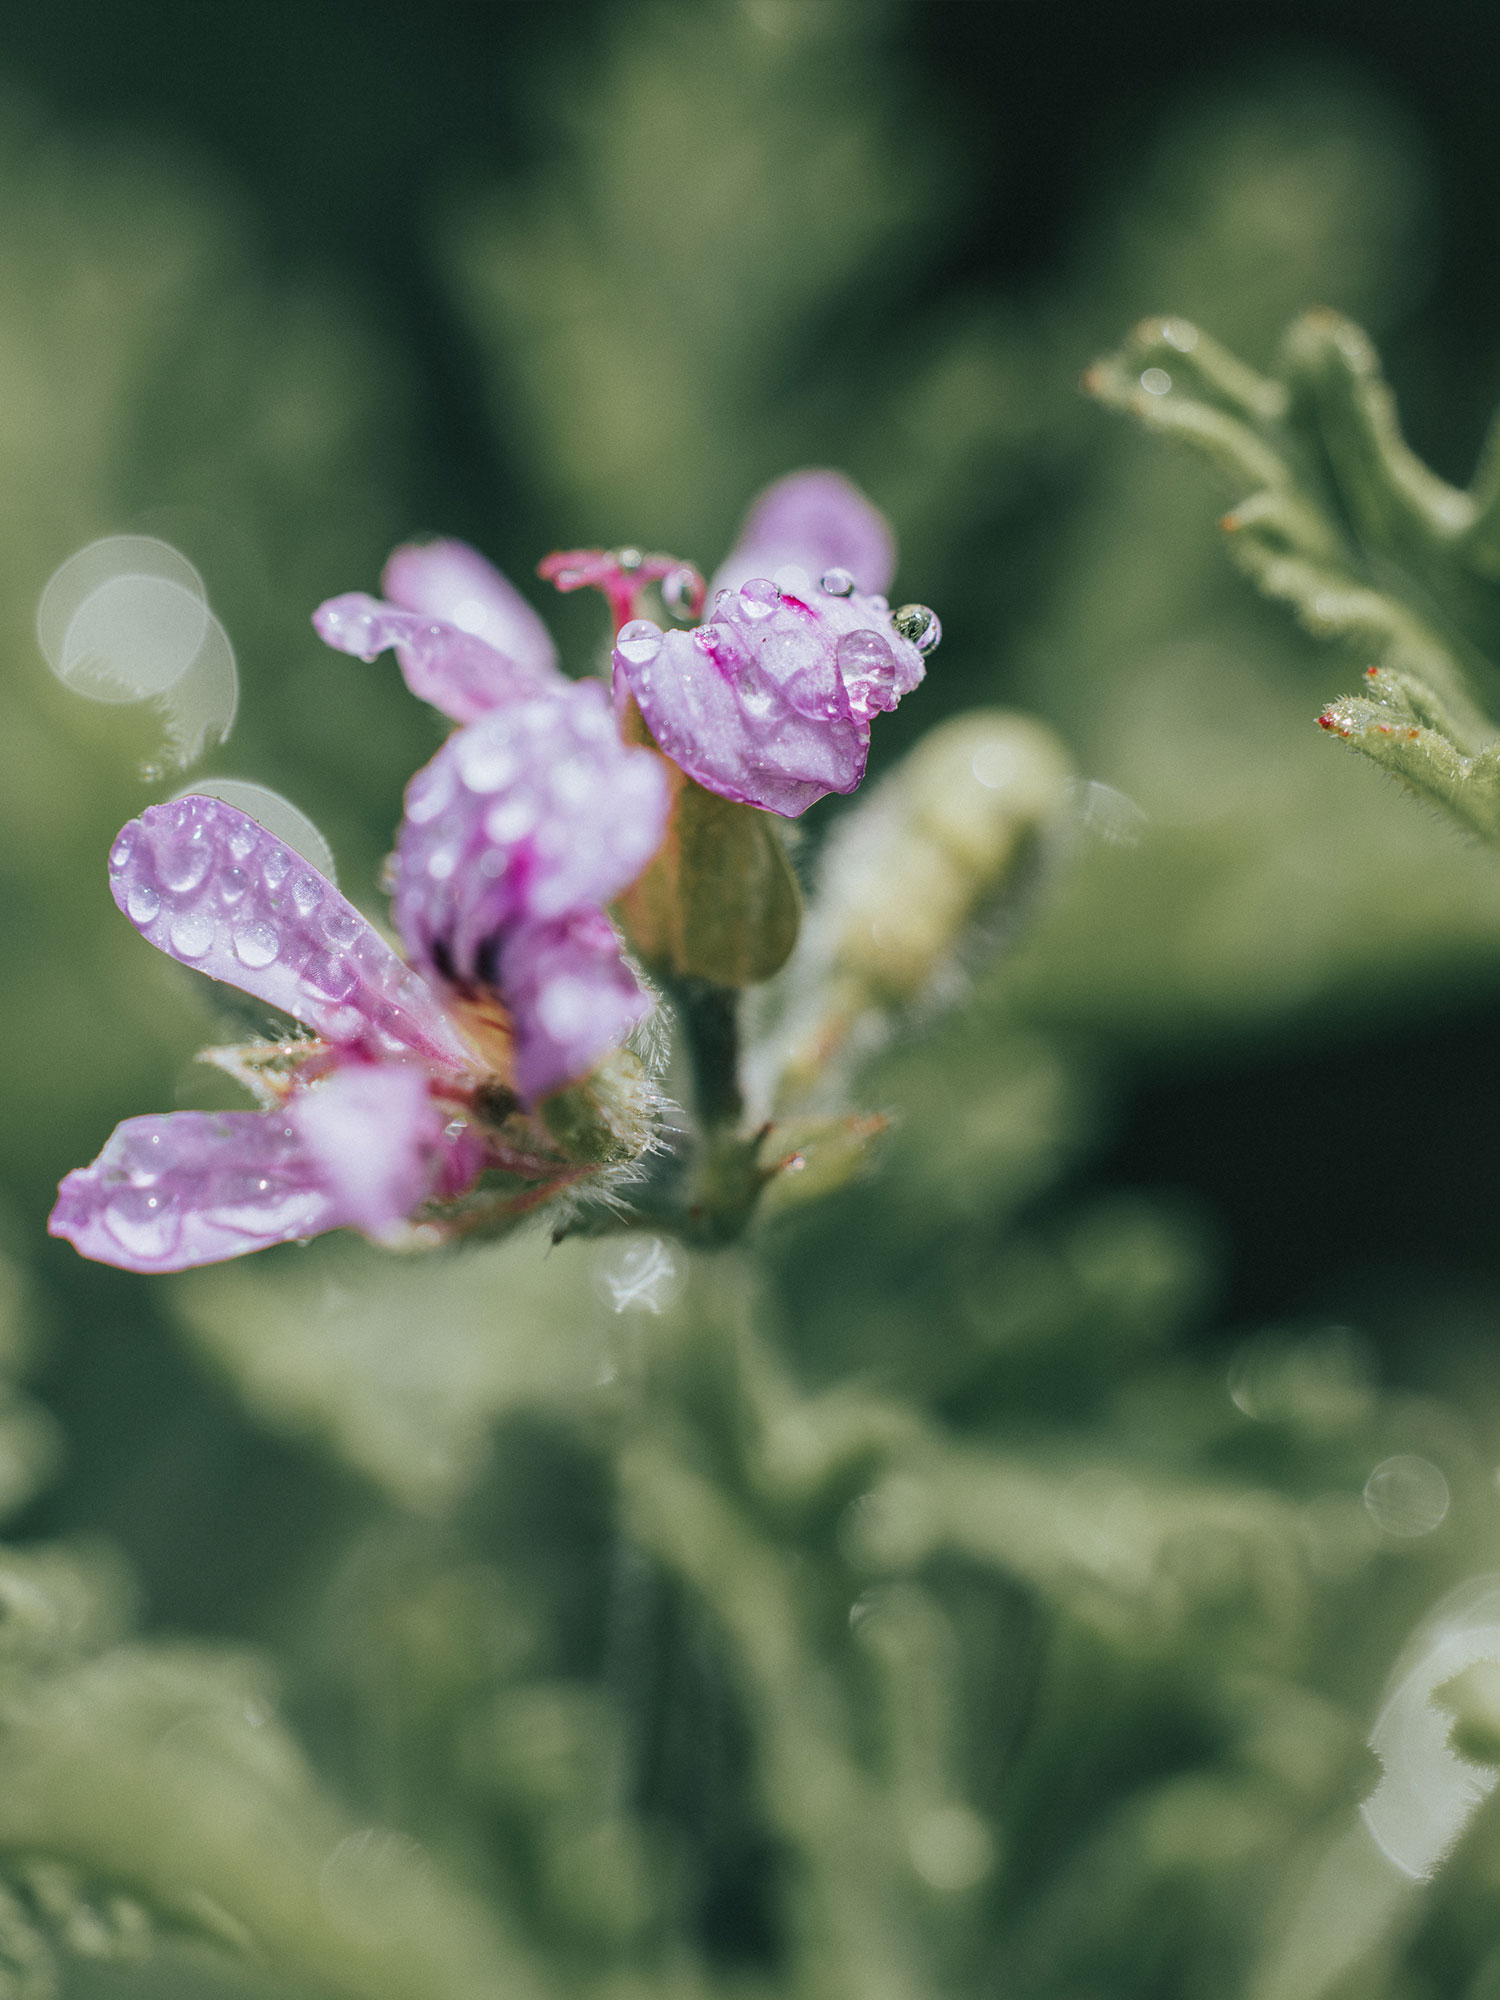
x=532, y=812
x=210, y=887
x=194, y=1187
x=449, y=580
x=375, y=1138
x=821, y=522
x=571, y=996
x=770, y=702
x=456, y=671
x=182, y=1188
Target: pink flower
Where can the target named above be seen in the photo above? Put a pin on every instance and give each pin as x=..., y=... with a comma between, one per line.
x=524, y=825
x=530, y=819
x=770, y=701
x=364, y=1124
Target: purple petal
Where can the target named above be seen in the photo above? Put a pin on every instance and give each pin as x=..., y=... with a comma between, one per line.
x=451, y=581
x=572, y=998
x=375, y=1138
x=193, y=1187
x=820, y=521
x=454, y=670
x=526, y=815
x=771, y=702
x=211, y=888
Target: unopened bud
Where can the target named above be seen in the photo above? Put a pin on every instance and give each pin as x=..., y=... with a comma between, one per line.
x=933, y=849
x=939, y=840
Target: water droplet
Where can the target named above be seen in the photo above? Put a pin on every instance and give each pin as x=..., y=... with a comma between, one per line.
x=307, y=893
x=920, y=625
x=192, y=933
x=505, y=824
x=865, y=656
x=628, y=560
x=759, y=597
x=836, y=583
x=233, y=884
x=1407, y=1496
x=639, y=642
x=1156, y=381
x=572, y=781
x=185, y=863
x=341, y=924
x=123, y=848
x=682, y=591
x=275, y=867
x=485, y=762
x=256, y=945
x=329, y=977
x=269, y=1212
x=142, y=903
x=242, y=839
x=145, y=1225
x=429, y=792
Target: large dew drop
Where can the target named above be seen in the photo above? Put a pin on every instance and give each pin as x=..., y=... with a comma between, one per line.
x=639, y=642
x=127, y=619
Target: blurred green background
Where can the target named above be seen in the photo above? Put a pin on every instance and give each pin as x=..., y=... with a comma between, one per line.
x=286, y=284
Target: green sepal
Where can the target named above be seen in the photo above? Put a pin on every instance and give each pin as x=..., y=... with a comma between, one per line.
x=807, y=1160
x=607, y=1119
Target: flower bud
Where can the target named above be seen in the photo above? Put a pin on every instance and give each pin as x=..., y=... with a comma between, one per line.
x=936, y=845
x=933, y=845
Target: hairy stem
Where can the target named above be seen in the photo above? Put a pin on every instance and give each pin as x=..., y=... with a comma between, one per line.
x=710, y=1019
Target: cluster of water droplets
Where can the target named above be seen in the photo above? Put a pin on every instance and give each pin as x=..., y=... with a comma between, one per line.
x=127, y=620
x=165, y=1175
x=867, y=674
x=274, y=812
x=530, y=812
x=216, y=890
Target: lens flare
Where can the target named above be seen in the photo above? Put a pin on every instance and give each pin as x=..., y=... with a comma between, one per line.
x=127, y=620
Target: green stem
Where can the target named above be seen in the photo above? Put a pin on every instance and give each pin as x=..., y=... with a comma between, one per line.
x=853, y=1926
x=710, y=1017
